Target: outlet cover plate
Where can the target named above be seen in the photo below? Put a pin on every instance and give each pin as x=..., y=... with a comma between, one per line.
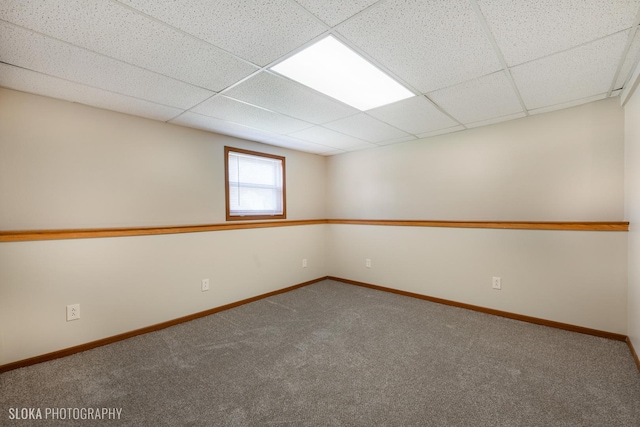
x=73, y=312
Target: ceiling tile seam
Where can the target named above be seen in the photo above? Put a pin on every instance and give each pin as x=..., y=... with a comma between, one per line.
x=499, y=70
x=498, y=52
x=442, y=110
x=388, y=124
x=623, y=58
x=379, y=143
x=328, y=32
x=178, y=115
x=570, y=101
x=255, y=106
x=106, y=56
x=569, y=49
x=400, y=141
x=167, y=25
x=372, y=117
x=374, y=62
x=452, y=129
x=298, y=49
x=353, y=150
x=625, y=52
x=326, y=128
x=309, y=125
x=495, y=118
x=437, y=107
x=270, y=133
x=362, y=12
x=187, y=110
x=86, y=85
x=311, y=14
x=333, y=32
x=222, y=92
x=265, y=70
x=415, y=135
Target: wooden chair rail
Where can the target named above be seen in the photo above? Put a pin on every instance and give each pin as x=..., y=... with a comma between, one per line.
x=30, y=235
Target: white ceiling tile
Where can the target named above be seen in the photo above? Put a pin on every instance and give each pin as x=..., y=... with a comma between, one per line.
x=119, y=32
x=211, y=124
x=155, y=58
x=568, y=104
x=429, y=44
x=495, y=120
x=397, y=141
x=616, y=92
x=242, y=113
x=578, y=73
x=441, y=132
x=36, y=52
x=333, y=12
x=297, y=144
x=293, y=99
x=414, y=115
x=259, y=32
x=366, y=127
x=29, y=81
x=479, y=99
x=629, y=61
x=526, y=30
x=333, y=152
x=328, y=137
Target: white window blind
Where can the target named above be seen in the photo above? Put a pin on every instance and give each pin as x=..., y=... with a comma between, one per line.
x=255, y=185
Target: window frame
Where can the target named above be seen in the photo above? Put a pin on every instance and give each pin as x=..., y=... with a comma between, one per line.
x=230, y=217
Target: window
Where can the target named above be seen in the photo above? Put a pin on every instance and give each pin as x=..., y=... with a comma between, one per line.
x=255, y=185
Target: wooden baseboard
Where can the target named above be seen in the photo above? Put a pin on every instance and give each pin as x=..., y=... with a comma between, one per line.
x=145, y=330
x=163, y=325
x=529, y=319
x=633, y=352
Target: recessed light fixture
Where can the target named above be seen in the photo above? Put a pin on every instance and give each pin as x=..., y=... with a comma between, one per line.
x=330, y=67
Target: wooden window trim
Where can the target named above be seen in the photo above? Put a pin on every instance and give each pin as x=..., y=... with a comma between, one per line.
x=230, y=217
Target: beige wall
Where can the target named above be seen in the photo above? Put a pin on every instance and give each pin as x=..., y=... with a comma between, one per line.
x=573, y=277
x=632, y=213
x=65, y=165
x=560, y=166
x=127, y=283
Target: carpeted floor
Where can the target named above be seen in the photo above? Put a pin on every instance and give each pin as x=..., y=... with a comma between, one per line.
x=332, y=354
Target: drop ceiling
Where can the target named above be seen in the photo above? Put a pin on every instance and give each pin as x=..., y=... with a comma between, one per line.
x=206, y=64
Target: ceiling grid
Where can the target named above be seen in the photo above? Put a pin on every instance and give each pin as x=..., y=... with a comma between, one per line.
x=206, y=64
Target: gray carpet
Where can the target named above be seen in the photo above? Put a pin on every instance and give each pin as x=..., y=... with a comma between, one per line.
x=332, y=354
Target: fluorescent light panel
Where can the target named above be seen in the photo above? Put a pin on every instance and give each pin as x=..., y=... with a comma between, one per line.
x=330, y=67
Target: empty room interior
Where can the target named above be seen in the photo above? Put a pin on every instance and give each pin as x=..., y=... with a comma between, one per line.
x=489, y=206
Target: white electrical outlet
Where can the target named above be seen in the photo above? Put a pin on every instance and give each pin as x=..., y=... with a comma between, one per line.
x=367, y=263
x=205, y=285
x=73, y=312
x=496, y=283
x=304, y=263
